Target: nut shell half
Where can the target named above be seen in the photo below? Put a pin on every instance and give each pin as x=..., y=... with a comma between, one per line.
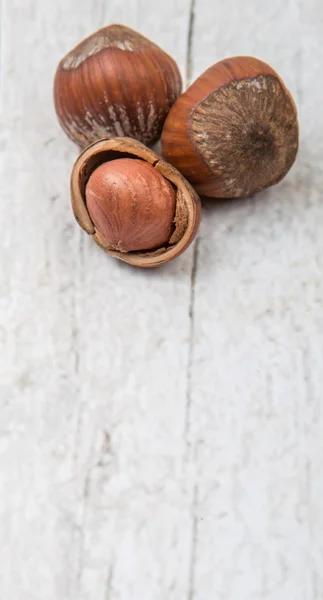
x=188, y=204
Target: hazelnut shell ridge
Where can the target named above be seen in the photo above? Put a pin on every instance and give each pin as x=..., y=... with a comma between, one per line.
x=188, y=204
x=115, y=83
x=180, y=135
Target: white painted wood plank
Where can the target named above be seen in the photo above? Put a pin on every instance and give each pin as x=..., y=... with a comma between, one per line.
x=96, y=494
x=94, y=354
x=256, y=423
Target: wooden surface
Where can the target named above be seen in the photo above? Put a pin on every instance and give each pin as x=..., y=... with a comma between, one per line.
x=161, y=433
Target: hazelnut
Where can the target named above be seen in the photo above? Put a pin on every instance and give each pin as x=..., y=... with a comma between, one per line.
x=131, y=204
x=135, y=206
x=115, y=83
x=234, y=131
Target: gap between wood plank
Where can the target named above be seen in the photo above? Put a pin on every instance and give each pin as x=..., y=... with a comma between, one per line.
x=189, y=63
x=192, y=558
x=195, y=250
x=191, y=581
x=191, y=336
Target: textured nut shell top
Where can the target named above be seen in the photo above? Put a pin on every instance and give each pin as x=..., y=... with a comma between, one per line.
x=234, y=131
x=115, y=83
x=188, y=204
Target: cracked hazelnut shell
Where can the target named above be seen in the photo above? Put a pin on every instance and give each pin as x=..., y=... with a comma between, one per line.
x=234, y=131
x=115, y=83
x=136, y=207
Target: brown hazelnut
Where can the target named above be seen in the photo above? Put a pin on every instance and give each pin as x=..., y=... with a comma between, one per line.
x=131, y=204
x=115, y=83
x=234, y=131
x=136, y=207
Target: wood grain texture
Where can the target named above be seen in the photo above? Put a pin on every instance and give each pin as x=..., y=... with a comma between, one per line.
x=256, y=426
x=160, y=432
x=94, y=354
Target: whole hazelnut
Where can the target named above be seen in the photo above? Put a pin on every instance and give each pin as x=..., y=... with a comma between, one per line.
x=115, y=83
x=234, y=131
x=131, y=204
x=135, y=206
